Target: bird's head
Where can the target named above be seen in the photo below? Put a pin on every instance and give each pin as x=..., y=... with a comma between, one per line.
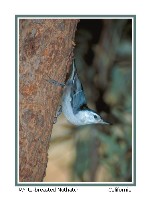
x=90, y=117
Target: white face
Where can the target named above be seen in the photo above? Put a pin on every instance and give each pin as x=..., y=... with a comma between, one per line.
x=93, y=118
x=89, y=117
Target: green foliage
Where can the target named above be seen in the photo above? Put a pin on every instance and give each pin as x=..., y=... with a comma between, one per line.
x=104, y=153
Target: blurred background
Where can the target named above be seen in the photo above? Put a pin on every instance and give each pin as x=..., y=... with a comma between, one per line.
x=96, y=153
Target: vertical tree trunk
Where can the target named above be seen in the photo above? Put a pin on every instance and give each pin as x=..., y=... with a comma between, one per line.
x=45, y=49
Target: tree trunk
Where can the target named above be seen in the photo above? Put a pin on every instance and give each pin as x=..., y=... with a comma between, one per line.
x=45, y=49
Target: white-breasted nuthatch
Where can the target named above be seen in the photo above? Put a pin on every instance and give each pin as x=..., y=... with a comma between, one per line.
x=74, y=105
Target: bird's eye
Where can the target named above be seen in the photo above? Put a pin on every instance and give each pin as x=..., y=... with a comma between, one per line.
x=95, y=116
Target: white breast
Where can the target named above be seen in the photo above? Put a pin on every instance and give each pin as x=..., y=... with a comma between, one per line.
x=67, y=110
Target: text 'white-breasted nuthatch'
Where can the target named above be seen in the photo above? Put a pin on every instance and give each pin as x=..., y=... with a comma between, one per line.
x=74, y=104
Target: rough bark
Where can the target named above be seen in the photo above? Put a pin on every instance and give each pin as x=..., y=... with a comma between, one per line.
x=45, y=49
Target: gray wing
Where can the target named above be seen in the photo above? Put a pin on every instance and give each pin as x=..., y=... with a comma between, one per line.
x=78, y=100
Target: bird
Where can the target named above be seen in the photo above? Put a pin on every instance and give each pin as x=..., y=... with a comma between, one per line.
x=74, y=104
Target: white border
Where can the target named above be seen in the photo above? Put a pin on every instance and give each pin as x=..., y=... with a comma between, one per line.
x=133, y=52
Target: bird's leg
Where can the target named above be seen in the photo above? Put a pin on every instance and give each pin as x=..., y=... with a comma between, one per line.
x=59, y=111
x=54, y=82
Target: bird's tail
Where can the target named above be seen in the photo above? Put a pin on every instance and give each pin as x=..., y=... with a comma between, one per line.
x=74, y=70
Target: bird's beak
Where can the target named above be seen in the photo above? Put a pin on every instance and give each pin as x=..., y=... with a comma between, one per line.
x=101, y=121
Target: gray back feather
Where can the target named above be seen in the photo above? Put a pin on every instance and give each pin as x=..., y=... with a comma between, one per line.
x=78, y=99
